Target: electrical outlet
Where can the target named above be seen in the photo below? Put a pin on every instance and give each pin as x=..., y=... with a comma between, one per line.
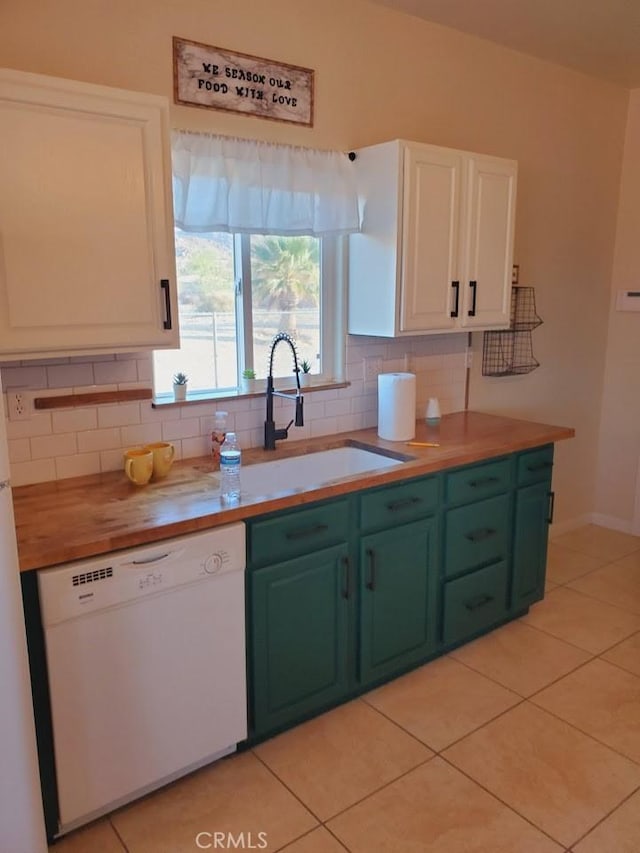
x=19, y=406
x=468, y=358
x=372, y=366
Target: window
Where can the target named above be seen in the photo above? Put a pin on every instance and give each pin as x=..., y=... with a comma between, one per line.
x=260, y=249
x=236, y=291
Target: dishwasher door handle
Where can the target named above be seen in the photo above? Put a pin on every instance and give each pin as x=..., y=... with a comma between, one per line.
x=145, y=561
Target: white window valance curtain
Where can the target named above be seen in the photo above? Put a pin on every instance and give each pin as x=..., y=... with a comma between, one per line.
x=239, y=185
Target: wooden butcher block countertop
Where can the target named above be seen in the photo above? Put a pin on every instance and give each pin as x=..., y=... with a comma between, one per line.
x=85, y=516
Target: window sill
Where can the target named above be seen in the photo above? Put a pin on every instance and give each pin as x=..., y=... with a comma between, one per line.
x=166, y=400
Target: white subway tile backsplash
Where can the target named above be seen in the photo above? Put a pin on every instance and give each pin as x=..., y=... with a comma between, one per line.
x=45, y=446
x=198, y=446
x=73, y=420
x=140, y=434
x=324, y=426
x=313, y=410
x=66, y=443
x=119, y=414
x=248, y=420
x=112, y=460
x=369, y=419
x=38, y=424
x=149, y=414
x=337, y=407
x=70, y=375
x=116, y=371
x=145, y=370
x=77, y=465
x=365, y=403
x=99, y=439
x=346, y=423
x=19, y=450
x=37, y=471
x=355, y=372
x=180, y=429
x=24, y=377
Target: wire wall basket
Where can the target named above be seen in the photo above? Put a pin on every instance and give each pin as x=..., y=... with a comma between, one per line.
x=509, y=352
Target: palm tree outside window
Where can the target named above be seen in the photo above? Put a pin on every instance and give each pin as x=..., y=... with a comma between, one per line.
x=235, y=292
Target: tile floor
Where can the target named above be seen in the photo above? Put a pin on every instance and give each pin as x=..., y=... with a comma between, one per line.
x=524, y=741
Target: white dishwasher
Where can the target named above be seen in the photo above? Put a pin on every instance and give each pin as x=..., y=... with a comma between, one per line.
x=146, y=659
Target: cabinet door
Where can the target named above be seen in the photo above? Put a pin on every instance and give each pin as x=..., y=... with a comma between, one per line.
x=491, y=192
x=431, y=238
x=86, y=227
x=398, y=579
x=530, y=544
x=299, y=641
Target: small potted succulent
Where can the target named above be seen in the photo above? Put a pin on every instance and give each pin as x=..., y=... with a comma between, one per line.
x=305, y=372
x=246, y=382
x=180, y=386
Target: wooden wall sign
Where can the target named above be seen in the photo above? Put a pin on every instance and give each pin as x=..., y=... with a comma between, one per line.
x=213, y=78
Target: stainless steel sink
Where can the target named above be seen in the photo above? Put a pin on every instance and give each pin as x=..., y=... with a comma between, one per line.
x=312, y=470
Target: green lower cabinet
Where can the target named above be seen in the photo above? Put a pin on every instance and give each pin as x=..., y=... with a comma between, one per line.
x=530, y=544
x=348, y=593
x=300, y=636
x=398, y=577
x=474, y=603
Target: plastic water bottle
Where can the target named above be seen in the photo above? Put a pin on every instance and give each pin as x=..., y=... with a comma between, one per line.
x=230, y=462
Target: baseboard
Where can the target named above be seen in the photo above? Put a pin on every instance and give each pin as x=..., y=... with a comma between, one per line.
x=558, y=528
x=613, y=523
x=598, y=518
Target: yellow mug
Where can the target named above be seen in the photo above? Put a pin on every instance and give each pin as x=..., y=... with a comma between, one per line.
x=138, y=466
x=163, y=453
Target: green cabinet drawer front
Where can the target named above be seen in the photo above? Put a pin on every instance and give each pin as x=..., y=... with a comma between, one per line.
x=299, y=644
x=294, y=533
x=535, y=465
x=398, y=504
x=398, y=582
x=476, y=535
x=474, y=602
x=478, y=481
x=530, y=544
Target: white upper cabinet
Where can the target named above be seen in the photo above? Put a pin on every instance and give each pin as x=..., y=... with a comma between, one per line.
x=436, y=248
x=87, y=259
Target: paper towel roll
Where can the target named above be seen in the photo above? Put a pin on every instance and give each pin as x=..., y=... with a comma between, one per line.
x=397, y=406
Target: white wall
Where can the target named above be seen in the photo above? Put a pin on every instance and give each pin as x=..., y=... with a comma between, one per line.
x=619, y=444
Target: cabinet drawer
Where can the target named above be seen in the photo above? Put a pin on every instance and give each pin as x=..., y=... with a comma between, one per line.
x=474, y=602
x=398, y=504
x=478, y=481
x=476, y=535
x=294, y=533
x=535, y=465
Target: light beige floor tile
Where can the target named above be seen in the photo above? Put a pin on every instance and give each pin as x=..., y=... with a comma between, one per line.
x=619, y=833
x=601, y=700
x=318, y=841
x=549, y=772
x=549, y=585
x=235, y=795
x=436, y=809
x=99, y=837
x=599, y=542
x=441, y=702
x=521, y=657
x=626, y=654
x=336, y=759
x=617, y=584
x=581, y=620
x=565, y=564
